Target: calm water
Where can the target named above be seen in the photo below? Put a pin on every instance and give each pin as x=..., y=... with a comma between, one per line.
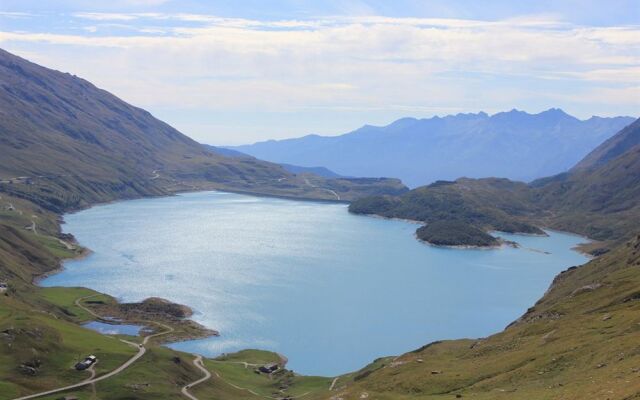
x=109, y=329
x=330, y=290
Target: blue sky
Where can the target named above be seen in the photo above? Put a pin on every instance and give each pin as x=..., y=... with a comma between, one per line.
x=231, y=72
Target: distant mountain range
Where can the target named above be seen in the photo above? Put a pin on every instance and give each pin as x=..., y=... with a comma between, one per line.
x=515, y=144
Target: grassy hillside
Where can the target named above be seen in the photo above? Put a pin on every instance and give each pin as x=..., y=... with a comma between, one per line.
x=460, y=212
x=452, y=233
x=30, y=242
x=38, y=350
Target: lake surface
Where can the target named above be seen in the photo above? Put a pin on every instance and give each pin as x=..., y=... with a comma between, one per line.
x=114, y=329
x=330, y=290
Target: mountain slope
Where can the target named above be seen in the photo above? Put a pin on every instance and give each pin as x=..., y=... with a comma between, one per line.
x=600, y=197
x=615, y=146
x=77, y=125
x=66, y=144
x=320, y=171
x=62, y=132
x=514, y=145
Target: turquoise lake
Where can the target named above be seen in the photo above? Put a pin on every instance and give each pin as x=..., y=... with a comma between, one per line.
x=330, y=290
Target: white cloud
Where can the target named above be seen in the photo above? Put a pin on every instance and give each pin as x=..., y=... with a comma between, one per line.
x=344, y=63
x=106, y=16
x=8, y=14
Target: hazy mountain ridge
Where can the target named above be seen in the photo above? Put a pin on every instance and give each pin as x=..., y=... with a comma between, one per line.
x=294, y=169
x=513, y=144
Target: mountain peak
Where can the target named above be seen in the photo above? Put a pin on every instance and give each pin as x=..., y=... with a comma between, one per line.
x=512, y=115
x=556, y=113
x=467, y=116
x=402, y=123
x=555, y=110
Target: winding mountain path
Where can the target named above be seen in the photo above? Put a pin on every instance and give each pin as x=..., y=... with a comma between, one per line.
x=333, y=192
x=92, y=370
x=33, y=228
x=141, y=350
x=198, y=363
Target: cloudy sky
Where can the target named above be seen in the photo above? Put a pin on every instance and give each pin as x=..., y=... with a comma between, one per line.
x=232, y=71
